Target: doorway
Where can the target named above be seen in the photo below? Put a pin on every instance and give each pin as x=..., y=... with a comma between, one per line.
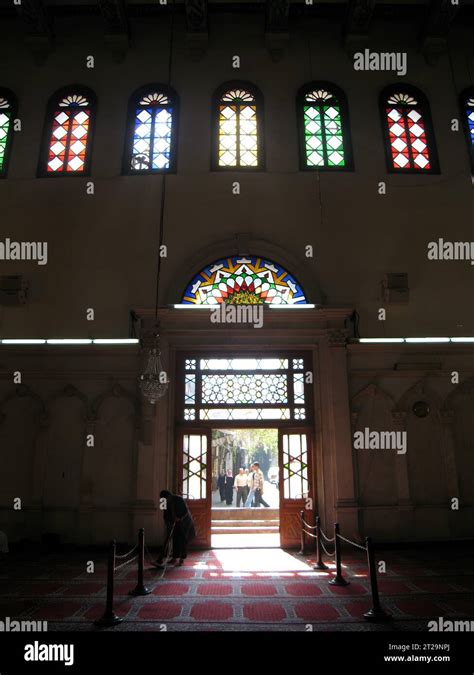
x=239, y=519
x=230, y=410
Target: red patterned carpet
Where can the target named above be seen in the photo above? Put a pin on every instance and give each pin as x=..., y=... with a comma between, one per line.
x=243, y=589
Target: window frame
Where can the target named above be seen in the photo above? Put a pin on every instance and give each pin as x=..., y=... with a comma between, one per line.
x=51, y=107
x=130, y=127
x=341, y=97
x=465, y=95
x=259, y=106
x=13, y=101
x=424, y=106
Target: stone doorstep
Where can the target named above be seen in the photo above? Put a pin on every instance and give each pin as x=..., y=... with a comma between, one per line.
x=246, y=527
x=260, y=513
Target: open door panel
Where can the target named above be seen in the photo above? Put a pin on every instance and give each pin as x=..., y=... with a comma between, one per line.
x=194, y=481
x=295, y=484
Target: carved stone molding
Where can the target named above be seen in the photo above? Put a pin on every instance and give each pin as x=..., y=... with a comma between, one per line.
x=421, y=390
x=357, y=23
x=338, y=338
x=70, y=391
x=276, y=16
x=399, y=418
x=446, y=416
x=116, y=390
x=21, y=391
x=276, y=27
x=433, y=38
x=197, y=28
x=117, y=28
x=39, y=36
x=196, y=16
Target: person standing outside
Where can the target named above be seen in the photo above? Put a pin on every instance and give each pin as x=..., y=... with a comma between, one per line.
x=251, y=492
x=258, y=483
x=240, y=484
x=221, y=486
x=229, y=488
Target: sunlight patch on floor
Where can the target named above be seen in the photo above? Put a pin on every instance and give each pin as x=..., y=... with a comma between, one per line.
x=245, y=541
x=259, y=560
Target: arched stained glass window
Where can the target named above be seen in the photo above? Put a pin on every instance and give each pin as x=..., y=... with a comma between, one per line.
x=324, y=127
x=407, y=124
x=467, y=108
x=238, y=109
x=151, y=131
x=68, y=132
x=7, y=115
x=244, y=280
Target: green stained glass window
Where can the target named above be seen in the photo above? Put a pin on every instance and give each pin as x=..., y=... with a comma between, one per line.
x=6, y=118
x=324, y=144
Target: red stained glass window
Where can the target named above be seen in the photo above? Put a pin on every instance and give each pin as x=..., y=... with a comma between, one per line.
x=68, y=144
x=407, y=133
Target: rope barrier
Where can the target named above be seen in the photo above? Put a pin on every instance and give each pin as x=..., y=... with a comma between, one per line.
x=315, y=536
x=110, y=618
x=329, y=539
x=311, y=527
x=153, y=563
x=127, y=562
x=331, y=555
x=363, y=548
x=338, y=580
x=120, y=557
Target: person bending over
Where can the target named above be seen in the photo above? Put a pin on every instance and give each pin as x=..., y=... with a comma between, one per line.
x=179, y=527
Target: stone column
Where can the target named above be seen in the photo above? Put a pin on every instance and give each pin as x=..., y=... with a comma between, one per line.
x=346, y=507
x=86, y=494
x=452, y=481
x=405, y=505
x=144, y=505
x=34, y=524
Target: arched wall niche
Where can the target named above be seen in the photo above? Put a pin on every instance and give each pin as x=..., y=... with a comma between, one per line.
x=301, y=268
x=113, y=465
x=68, y=411
x=22, y=417
x=426, y=458
x=376, y=475
x=459, y=409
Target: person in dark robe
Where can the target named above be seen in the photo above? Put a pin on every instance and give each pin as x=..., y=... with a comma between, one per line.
x=229, y=488
x=179, y=525
x=221, y=486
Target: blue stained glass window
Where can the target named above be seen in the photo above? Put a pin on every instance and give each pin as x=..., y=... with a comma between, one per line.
x=470, y=118
x=151, y=146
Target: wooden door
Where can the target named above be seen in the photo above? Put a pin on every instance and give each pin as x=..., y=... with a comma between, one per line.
x=194, y=480
x=294, y=450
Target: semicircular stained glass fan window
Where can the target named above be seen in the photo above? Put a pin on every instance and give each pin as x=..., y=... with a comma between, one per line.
x=470, y=119
x=6, y=114
x=244, y=280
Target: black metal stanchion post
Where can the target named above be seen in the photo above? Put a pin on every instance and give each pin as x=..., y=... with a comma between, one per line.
x=140, y=588
x=110, y=618
x=338, y=579
x=302, y=550
x=376, y=613
x=319, y=549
